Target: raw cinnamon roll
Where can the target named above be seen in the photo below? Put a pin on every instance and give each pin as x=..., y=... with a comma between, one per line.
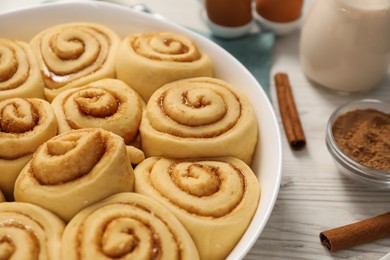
x=75, y=169
x=19, y=72
x=199, y=117
x=74, y=54
x=108, y=103
x=148, y=61
x=25, y=123
x=215, y=199
x=127, y=226
x=28, y=231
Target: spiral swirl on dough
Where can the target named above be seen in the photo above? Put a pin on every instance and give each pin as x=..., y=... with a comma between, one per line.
x=19, y=72
x=74, y=54
x=148, y=61
x=29, y=232
x=74, y=170
x=215, y=199
x=108, y=103
x=166, y=46
x=127, y=226
x=25, y=123
x=199, y=117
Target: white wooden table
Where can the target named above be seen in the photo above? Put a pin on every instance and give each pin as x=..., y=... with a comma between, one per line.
x=313, y=195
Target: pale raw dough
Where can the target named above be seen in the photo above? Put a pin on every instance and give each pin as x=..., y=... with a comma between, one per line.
x=74, y=170
x=148, y=61
x=127, y=226
x=29, y=232
x=215, y=199
x=74, y=54
x=199, y=117
x=108, y=103
x=19, y=72
x=20, y=136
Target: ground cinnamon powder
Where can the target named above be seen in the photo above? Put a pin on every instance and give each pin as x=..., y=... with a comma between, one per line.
x=364, y=135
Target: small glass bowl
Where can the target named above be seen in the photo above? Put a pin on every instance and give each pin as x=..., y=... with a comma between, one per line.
x=369, y=176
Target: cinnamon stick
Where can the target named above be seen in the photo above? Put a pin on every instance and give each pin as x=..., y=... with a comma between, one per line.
x=357, y=233
x=288, y=112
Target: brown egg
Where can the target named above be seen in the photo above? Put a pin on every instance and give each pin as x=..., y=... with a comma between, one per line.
x=231, y=13
x=280, y=11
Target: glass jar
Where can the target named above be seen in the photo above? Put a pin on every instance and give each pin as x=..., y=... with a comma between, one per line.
x=345, y=44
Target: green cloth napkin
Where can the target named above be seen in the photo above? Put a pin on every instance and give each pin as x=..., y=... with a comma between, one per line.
x=254, y=51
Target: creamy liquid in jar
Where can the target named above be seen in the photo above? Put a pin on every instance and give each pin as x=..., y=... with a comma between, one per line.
x=345, y=44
